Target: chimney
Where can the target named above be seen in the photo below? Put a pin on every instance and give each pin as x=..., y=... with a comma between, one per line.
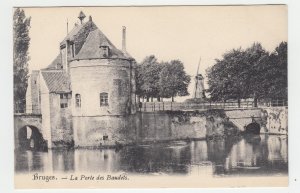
x=124, y=39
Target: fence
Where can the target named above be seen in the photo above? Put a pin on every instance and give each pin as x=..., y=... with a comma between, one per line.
x=173, y=106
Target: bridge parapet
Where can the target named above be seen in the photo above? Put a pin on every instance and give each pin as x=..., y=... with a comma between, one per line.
x=23, y=120
x=271, y=119
x=27, y=115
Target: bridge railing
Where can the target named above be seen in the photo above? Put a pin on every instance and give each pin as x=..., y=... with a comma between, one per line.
x=173, y=106
x=29, y=109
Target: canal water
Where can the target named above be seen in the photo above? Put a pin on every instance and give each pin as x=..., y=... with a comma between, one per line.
x=247, y=155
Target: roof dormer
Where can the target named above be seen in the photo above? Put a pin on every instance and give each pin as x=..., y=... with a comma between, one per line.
x=104, y=50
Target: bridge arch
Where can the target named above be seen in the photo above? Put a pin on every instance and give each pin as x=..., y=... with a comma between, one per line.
x=31, y=138
x=253, y=128
x=29, y=133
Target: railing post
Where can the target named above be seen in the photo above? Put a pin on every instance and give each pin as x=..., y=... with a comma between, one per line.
x=171, y=106
x=163, y=106
x=145, y=107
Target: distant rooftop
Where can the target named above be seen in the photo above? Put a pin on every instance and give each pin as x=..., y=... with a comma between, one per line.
x=57, y=81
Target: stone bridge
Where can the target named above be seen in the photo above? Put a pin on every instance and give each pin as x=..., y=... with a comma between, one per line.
x=271, y=119
x=28, y=132
x=243, y=117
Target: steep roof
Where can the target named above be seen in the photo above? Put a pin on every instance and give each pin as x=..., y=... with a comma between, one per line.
x=56, y=62
x=87, y=39
x=71, y=35
x=91, y=47
x=56, y=81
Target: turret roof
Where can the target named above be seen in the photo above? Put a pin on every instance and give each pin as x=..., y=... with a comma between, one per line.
x=91, y=47
x=88, y=39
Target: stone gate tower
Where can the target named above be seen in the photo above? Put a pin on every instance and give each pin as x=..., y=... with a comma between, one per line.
x=84, y=93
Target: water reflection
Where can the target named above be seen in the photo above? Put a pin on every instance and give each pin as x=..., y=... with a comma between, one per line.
x=252, y=155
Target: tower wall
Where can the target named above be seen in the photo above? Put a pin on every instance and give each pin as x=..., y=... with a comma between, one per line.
x=115, y=77
x=94, y=124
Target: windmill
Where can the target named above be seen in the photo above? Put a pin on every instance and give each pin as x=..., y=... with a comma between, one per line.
x=199, y=92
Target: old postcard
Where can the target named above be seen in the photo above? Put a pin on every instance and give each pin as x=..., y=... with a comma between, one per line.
x=150, y=96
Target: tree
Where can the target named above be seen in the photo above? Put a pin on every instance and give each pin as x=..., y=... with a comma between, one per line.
x=148, y=77
x=255, y=82
x=250, y=73
x=277, y=72
x=21, y=39
x=173, y=80
x=226, y=78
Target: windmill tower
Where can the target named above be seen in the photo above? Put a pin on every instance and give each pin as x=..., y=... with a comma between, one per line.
x=199, y=92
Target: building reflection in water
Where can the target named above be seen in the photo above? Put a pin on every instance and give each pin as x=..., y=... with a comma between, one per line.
x=258, y=155
x=63, y=160
x=240, y=156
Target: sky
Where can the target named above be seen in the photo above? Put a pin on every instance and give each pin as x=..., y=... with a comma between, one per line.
x=169, y=32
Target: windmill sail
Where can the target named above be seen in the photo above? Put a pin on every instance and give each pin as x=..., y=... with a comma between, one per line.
x=196, y=82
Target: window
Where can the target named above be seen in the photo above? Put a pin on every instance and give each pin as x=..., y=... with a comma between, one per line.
x=104, y=50
x=59, y=66
x=118, y=85
x=103, y=99
x=105, y=137
x=64, y=98
x=78, y=100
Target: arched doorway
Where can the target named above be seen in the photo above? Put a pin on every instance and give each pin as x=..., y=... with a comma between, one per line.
x=30, y=138
x=253, y=128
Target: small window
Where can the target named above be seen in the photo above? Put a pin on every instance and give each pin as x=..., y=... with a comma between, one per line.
x=64, y=98
x=59, y=66
x=105, y=137
x=103, y=99
x=104, y=51
x=78, y=100
x=118, y=85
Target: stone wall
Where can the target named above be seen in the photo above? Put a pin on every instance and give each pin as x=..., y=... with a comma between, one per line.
x=144, y=127
x=171, y=125
x=95, y=131
x=45, y=111
x=276, y=120
x=61, y=122
x=20, y=121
